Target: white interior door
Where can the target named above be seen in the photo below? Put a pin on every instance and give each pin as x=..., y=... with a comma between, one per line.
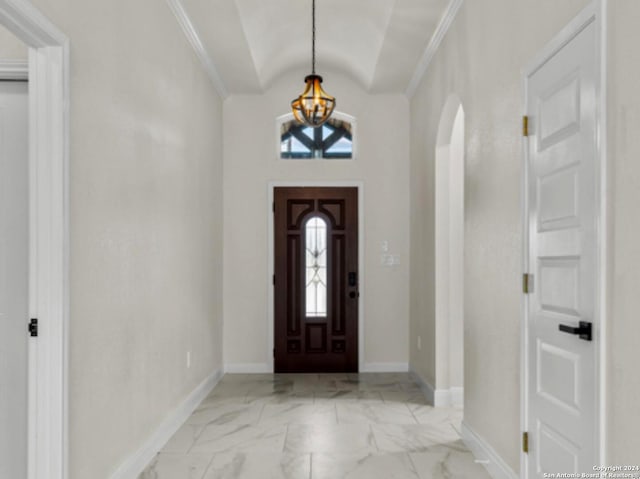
x=14, y=296
x=562, y=255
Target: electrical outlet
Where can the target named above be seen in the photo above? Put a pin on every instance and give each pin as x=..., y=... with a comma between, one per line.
x=188, y=359
x=419, y=343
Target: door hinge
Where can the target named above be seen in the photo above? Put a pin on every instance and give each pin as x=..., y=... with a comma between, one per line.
x=33, y=327
x=274, y=279
x=525, y=125
x=274, y=352
x=273, y=206
x=525, y=442
x=527, y=283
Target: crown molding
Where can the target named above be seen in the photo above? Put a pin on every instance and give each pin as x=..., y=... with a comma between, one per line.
x=434, y=44
x=37, y=31
x=193, y=37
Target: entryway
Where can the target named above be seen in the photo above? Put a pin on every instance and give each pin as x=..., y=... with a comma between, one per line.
x=316, y=280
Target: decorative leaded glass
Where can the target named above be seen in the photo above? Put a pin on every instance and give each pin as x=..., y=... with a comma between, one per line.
x=333, y=140
x=316, y=267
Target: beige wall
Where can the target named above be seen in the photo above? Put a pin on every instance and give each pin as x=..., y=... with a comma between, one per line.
x=146, y=220
x=624, y=255
x=251, y=163
x=480, y=60
x=10, y=47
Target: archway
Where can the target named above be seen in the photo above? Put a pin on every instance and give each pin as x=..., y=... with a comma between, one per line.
x=449, y=230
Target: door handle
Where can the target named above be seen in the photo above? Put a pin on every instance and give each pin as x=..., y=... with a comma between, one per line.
x=584, y=330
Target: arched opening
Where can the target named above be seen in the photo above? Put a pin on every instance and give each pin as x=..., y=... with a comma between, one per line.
x=335, y=140
x=449, y=181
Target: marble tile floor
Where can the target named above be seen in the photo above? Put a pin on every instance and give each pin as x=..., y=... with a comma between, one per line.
x=317, y=426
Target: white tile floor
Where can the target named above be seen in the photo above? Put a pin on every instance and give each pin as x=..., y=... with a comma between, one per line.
x=317, y=426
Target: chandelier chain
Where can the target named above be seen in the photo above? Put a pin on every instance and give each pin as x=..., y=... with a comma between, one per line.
x=314, y=106
x=313, y=37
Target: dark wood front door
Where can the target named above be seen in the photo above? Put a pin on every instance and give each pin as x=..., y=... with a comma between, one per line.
x=316, y=279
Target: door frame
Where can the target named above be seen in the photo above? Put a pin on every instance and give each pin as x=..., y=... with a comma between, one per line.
x=271, y=258
x=48, y=73
x=594, y=13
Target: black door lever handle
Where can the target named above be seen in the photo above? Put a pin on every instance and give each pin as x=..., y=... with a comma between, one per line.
x=584, y=330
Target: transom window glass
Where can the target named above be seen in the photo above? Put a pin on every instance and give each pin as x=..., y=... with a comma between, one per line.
x=333, y=140
x=316, y=267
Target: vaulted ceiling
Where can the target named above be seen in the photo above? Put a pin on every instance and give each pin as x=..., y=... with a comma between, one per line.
x=252, y=43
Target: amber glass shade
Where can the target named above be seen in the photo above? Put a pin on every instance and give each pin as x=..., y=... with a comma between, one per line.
x=314, y=106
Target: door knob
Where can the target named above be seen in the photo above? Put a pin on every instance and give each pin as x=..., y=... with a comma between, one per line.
x=584, y=330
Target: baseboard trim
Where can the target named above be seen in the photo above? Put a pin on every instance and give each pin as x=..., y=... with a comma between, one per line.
x=439, y=397
x=457, y=397
x=486, y=455
x=262, y=368
x=137, y=462
x=426, y=388
x=442, y=398
x=385, y=368
x=453, y=397
x=248, y=368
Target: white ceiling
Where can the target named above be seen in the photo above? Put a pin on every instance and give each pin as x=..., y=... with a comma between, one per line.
x=378, y=43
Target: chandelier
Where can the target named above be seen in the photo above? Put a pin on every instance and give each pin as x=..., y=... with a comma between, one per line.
x=314, y=106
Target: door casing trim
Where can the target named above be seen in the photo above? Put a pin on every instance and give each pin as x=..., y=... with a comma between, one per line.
x=594, y=13
x=271, y=258
x=48, y=72
x=14, y=70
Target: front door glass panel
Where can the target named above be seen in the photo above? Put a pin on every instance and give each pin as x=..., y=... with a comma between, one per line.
x=316, y=267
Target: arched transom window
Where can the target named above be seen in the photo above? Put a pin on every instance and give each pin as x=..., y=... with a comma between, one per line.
x=333, y=140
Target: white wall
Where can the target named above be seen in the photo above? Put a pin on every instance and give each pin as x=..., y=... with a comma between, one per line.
x=10, y=47
x=250, y=163
x=480, y=60
x=146, y=221
x=624, y=254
